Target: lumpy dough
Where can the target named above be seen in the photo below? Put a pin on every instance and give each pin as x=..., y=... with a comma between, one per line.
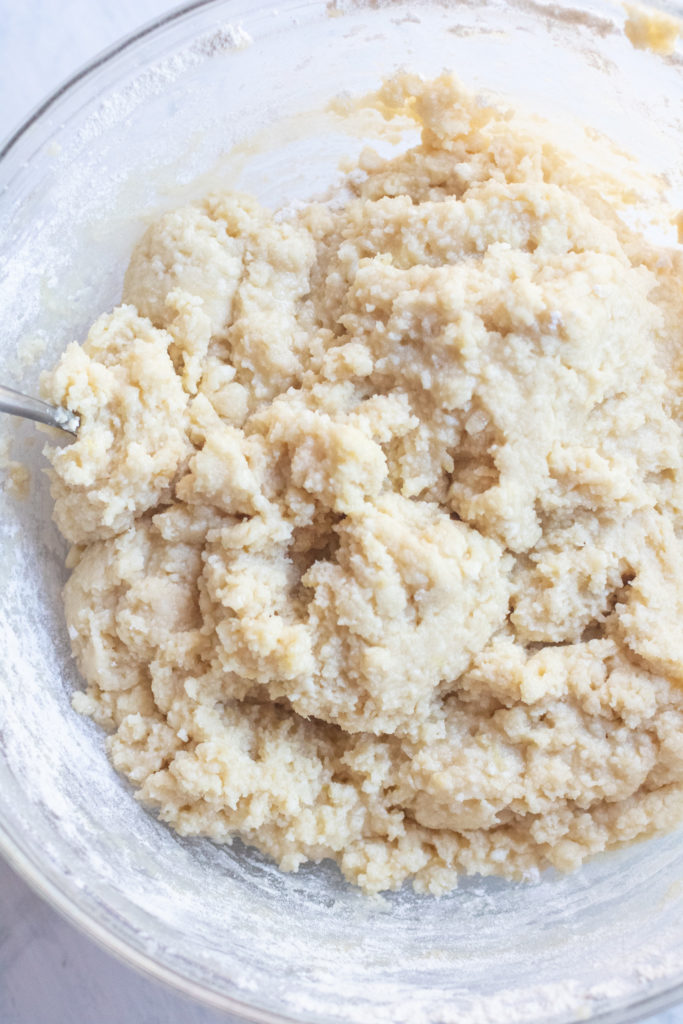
x=376, y=513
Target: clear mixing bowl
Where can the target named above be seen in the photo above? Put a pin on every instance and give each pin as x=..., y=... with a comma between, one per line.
x=234, y=92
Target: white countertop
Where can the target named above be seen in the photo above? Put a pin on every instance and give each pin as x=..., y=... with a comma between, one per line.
x=49, y=972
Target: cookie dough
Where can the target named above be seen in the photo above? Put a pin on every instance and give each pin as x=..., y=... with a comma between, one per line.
x=376, y=513
x=652, y=30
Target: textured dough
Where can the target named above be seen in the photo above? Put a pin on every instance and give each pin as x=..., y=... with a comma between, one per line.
x=376, y=514
x=652, y=30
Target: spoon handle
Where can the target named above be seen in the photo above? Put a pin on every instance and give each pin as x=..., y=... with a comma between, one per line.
x=34, y=409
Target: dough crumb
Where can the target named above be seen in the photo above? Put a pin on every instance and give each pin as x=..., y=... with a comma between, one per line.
x=652, y=30
x=15, y=476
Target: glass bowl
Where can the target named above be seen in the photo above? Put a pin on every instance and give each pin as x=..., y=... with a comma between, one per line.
x=234, y=92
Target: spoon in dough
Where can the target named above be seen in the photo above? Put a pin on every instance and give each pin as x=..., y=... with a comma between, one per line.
x=17, y=404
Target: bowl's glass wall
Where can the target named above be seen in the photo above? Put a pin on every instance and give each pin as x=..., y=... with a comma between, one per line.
x=75, y=191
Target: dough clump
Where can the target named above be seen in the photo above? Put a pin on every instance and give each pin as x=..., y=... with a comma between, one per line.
x=376, y=513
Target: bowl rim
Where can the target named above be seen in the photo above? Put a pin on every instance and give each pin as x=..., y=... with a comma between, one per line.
x=13, y=851
x=99, y=60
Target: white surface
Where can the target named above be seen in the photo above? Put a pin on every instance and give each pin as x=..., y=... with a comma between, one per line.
x=49, y=972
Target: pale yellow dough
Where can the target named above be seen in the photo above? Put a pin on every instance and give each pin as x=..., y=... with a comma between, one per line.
x=652, y=30
x=376, y=514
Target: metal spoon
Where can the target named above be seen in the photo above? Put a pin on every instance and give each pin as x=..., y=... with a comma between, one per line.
x=34, y=409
